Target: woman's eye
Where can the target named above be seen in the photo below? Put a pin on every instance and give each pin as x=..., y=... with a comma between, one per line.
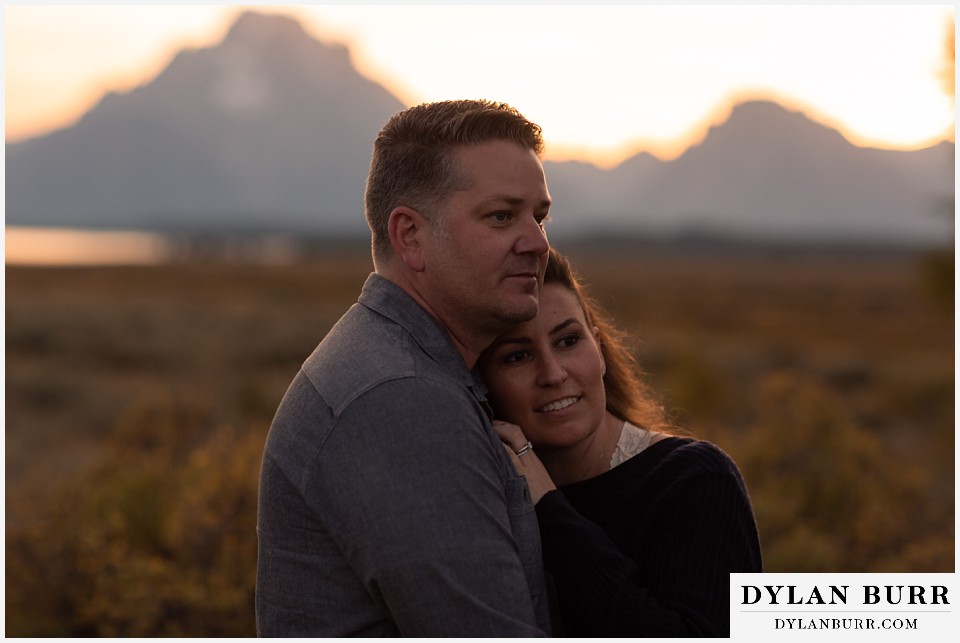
x=568, y=340
x=514, y=357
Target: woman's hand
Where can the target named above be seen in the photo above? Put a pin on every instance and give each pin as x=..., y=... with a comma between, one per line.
x=525, y=461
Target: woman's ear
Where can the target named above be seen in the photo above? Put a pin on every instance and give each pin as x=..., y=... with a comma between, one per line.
x=405, y=227
x=603, y=362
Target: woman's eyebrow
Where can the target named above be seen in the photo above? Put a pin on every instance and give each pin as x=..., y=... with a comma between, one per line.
x=562, y=325
x=509, y=340
x=524, y=340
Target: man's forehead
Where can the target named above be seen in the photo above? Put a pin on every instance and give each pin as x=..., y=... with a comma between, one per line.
x=473, y=166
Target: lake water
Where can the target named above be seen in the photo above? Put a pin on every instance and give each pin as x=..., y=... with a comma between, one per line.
x=71, y=247
x=60, y=246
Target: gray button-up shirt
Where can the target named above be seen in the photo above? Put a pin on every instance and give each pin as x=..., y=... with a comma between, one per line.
x=387, y=504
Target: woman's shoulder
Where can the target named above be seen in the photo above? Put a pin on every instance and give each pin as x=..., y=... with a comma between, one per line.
x=693, y=457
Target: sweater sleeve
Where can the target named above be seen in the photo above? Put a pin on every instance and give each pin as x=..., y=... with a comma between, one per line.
x=702, y=528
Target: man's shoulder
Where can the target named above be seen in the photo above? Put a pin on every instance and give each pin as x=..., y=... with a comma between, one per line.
x=364, y=350
x=364, y=341
x=370, y=370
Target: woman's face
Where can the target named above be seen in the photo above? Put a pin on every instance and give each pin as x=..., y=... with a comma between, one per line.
x=546, y=375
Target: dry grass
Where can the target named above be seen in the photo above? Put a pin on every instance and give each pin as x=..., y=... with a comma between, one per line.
x=138, y=400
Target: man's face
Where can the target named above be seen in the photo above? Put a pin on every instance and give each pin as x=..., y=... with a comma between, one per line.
x=485, y=261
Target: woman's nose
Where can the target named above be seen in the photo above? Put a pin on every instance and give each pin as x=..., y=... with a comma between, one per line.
x=551, y=372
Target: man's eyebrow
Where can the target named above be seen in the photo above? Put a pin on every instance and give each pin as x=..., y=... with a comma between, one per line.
x=515, y=201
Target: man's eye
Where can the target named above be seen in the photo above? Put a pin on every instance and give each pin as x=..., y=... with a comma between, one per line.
x=501, y=217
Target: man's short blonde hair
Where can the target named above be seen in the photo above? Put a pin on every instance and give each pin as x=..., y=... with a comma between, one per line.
x=413, y=164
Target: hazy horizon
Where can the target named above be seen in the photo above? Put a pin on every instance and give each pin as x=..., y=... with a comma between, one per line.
x=662, y=76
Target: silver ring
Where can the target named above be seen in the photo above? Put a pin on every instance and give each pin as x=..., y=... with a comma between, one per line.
x=526, y=447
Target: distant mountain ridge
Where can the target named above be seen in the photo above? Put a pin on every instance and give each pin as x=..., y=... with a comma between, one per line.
x=774, y=174
x=271, y=131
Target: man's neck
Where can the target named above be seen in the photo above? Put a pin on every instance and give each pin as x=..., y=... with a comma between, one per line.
x=468, y=343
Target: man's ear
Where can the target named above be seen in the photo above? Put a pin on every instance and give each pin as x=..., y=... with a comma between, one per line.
x=406, y=227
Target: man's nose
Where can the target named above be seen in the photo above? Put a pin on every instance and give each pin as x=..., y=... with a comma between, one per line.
x=532, y=239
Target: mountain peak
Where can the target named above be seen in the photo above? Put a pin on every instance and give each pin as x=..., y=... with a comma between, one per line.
x=759, y=107
x=278, y=45
x=763, y=124
x=254, y=28
x=762, y=114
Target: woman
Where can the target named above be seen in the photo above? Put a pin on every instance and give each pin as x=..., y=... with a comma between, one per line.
x=640, y=529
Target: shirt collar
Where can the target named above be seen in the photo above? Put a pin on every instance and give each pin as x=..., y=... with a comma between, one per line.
x=390, y=300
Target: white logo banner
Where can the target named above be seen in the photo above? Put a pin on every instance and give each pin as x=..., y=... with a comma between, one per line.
x=844, y=607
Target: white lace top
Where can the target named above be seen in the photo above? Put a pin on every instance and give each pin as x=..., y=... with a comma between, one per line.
x=632, y=441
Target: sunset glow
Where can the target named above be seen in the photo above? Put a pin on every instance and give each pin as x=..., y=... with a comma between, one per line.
x=604, y=82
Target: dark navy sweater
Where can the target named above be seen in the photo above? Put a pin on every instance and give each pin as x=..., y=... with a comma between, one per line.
x=646, y=548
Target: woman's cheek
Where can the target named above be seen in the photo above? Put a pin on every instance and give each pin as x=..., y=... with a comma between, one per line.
x=508, y=398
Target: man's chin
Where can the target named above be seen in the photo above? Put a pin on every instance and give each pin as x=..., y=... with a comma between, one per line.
x=521, y=311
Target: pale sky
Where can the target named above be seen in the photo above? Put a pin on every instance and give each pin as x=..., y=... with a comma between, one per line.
x=603, y=82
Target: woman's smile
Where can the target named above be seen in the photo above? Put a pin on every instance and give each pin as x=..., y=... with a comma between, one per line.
x=559, y=405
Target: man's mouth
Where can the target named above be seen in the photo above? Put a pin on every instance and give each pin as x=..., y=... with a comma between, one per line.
x=558, y=405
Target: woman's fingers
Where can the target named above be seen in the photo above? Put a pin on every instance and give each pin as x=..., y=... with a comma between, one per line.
x=513, y=456
x=511, y=434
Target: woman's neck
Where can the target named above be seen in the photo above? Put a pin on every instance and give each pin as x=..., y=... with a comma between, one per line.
x=586, y=459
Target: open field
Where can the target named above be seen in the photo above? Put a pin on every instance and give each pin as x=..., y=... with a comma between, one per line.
x=138, y=399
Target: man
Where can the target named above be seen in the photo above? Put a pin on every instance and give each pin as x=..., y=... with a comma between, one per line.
x=388, y=505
